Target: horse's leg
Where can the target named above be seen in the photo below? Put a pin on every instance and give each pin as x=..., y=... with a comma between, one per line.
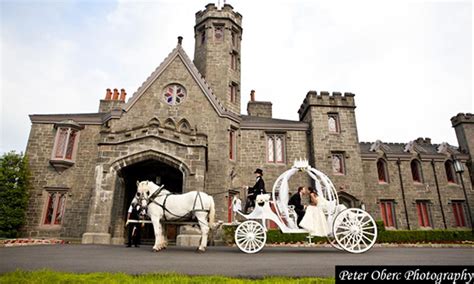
x=158, y=234
x=204, y=226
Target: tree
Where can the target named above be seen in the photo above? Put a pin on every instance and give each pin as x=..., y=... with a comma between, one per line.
x=13, y=193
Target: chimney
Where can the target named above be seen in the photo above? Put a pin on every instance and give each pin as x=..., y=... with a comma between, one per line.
x=116, y=95
x=180, y=40
x=108, y=94
x=112, y=100
x=252, y=95
x=123, y=94
x=255, y=108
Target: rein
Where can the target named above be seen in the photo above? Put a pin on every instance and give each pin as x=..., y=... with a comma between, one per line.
x=151, y=199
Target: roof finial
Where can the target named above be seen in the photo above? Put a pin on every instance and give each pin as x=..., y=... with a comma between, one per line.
x=180, y=40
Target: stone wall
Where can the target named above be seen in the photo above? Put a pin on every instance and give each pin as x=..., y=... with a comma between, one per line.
x=78, y=180
x=323, y=143
x=377, y=191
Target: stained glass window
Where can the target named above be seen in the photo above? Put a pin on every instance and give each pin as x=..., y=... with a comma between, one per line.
x=55, y=205
x=174, y=94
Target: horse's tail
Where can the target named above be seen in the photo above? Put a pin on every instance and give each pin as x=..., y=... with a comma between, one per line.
x=212, y=212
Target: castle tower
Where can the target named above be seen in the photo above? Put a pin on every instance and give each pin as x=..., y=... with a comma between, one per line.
x=218, y=33
x=464, y=126
x=334, y=142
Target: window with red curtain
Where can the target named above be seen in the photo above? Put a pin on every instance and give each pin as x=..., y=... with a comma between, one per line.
x=450, y=173
x=387, y=210
x=416, y=171
x=54, y=210
x=458, y=211
x=422, y=208
x=382, y=171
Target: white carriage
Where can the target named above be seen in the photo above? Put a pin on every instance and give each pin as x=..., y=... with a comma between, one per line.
x=350, y=229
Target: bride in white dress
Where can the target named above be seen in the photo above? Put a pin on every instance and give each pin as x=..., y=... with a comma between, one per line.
x=314, y=219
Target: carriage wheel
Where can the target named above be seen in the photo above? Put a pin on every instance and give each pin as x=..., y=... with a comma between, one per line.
x=355, y=230
x=333, y=242
x=250, y=236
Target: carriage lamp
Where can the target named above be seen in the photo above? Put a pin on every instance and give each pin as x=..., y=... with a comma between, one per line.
x=458, y=166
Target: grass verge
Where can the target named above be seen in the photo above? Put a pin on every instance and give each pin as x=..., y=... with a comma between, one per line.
x=48, y=276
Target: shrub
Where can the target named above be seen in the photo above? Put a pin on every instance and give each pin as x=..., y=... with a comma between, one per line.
x=13, y=193
x=395, y=236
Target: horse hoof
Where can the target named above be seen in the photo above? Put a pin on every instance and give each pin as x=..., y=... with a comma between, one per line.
x=200, y=250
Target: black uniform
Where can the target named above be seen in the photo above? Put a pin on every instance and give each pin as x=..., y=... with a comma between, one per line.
x=134, y=229
x=258, y=188
x=295, y=200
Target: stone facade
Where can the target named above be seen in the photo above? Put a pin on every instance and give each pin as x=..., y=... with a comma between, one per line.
x=183, y=128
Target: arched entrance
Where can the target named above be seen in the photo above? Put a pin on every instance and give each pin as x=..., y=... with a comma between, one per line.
x=126, y=187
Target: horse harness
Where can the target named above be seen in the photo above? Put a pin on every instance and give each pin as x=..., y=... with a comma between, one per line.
x=151, y=199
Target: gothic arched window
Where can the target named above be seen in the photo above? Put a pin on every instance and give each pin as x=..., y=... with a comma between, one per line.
x=382, y=171
x=450, y=173
x=416, y=171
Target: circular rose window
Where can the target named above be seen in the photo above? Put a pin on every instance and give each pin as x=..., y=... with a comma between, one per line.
x=174, y=94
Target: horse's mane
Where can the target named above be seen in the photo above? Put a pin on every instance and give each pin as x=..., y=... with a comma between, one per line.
x=156, y=187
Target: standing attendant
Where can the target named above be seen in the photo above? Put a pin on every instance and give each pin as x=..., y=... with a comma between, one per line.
x=134, y=229
x=252, y=192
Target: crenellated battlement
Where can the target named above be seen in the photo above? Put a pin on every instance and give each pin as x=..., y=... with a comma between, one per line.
x=462, y=118
x=212, y=11
x=325, y=99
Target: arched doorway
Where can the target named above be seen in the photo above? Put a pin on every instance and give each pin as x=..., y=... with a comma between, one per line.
x=126, y=187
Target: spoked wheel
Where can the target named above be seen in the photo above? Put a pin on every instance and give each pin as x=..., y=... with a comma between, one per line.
x=250, y=236
x=355, y=230
x=333, y=242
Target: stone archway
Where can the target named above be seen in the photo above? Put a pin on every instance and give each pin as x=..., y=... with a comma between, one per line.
x=107, y=211
x=152, y=170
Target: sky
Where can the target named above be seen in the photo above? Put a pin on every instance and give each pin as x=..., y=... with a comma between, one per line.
x=409, y=63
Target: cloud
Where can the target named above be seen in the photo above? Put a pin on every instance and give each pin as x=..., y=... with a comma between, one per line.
x=409, y=63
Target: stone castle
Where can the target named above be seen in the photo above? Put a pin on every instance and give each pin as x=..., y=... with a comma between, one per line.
x=184, y=128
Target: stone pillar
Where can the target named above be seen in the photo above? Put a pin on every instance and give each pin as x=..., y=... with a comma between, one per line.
x=98, y=224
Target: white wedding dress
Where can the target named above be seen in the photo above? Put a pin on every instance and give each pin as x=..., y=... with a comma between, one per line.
x=314, y=219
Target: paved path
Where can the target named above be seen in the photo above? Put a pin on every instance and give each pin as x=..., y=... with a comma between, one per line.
x=286, y=261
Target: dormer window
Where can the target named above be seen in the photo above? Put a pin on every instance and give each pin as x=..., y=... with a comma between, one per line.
x=65, y=144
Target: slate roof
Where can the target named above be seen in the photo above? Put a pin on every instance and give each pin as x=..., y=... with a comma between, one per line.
x=258, y=122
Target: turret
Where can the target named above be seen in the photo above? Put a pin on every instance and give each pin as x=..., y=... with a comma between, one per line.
x=218, y=33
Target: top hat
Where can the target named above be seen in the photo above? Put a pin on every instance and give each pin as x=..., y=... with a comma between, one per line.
x=258, y=171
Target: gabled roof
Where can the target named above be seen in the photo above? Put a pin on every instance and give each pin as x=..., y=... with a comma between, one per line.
x=179, y=52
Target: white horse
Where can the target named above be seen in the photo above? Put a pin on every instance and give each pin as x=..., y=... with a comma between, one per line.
x=162, y=204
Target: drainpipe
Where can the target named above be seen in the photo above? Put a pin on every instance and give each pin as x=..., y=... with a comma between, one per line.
x=403, y=192
x=439, y=194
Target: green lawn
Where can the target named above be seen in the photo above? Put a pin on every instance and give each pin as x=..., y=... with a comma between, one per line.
x=48, y=276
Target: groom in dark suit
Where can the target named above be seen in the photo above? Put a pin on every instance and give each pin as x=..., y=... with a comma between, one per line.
x=295, y=200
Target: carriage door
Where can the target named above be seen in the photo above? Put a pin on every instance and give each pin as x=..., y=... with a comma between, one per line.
x=160, y=173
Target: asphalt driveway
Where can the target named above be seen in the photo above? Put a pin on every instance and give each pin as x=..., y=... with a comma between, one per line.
x=229, y=261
